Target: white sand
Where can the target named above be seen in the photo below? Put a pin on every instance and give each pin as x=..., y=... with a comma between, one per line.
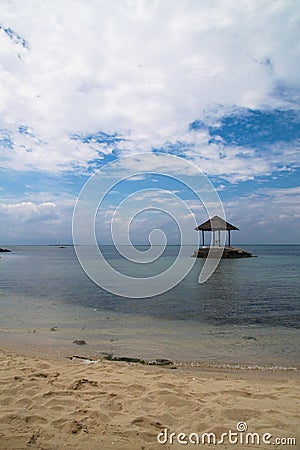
x=61, y=404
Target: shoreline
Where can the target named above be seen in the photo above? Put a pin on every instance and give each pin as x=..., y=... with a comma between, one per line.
x=182, y=366
x=83, y=352
x=50, y=402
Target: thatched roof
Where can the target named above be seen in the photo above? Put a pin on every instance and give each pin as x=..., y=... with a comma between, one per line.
x=216, y=223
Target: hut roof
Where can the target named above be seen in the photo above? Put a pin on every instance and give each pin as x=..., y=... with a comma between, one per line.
x=216, y=223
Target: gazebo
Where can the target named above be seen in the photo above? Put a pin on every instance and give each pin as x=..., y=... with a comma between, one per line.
x=216, y=224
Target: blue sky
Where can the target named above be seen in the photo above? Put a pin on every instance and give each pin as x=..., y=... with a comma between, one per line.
x=84, y=83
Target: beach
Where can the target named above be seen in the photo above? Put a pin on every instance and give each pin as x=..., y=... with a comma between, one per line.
x=58, y=403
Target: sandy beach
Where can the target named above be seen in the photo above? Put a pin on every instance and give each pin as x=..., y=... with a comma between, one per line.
x=56, y=403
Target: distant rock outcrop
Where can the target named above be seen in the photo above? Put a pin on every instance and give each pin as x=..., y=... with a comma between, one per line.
x=228, y=253
x=4, y=250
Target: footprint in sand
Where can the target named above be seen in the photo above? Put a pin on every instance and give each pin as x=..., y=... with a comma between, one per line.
x=83, y=382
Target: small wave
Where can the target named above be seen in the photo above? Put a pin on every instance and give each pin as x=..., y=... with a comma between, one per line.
x=223, y=366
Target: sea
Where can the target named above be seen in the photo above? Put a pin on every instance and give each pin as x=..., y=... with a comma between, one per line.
x=247, y=315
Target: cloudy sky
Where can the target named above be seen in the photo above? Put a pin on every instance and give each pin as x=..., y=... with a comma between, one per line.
x=83, y=83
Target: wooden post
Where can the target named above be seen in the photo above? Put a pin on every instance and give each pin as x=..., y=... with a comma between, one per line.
x=228, y=238
x=202, y=238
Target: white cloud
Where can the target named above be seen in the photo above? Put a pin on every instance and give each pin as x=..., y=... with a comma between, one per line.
x=282, y=194
x=27, y=210
x=143, y=69
x=46, y=219
x=266, y=216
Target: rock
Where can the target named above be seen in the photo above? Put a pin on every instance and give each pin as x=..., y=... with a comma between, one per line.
x=155, y=362
x=83, y=358
x=110, y=357
x=79, y=342
x=160, y=362
x=4, y=250
x=249, y=338
x=228, y=253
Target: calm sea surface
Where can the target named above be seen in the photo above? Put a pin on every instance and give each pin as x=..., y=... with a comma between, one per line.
x=246, y=314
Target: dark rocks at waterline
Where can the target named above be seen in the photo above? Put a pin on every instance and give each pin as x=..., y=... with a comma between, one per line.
x=82, y=358
x=160, y=362
x=5, y=250
x=155, y=362
x=228, y=253
x=111, y=357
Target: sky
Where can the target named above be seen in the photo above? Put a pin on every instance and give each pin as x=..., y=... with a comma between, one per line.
x=84, y=83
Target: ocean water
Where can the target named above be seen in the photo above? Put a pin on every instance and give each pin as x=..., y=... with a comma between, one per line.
x=247, y=314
